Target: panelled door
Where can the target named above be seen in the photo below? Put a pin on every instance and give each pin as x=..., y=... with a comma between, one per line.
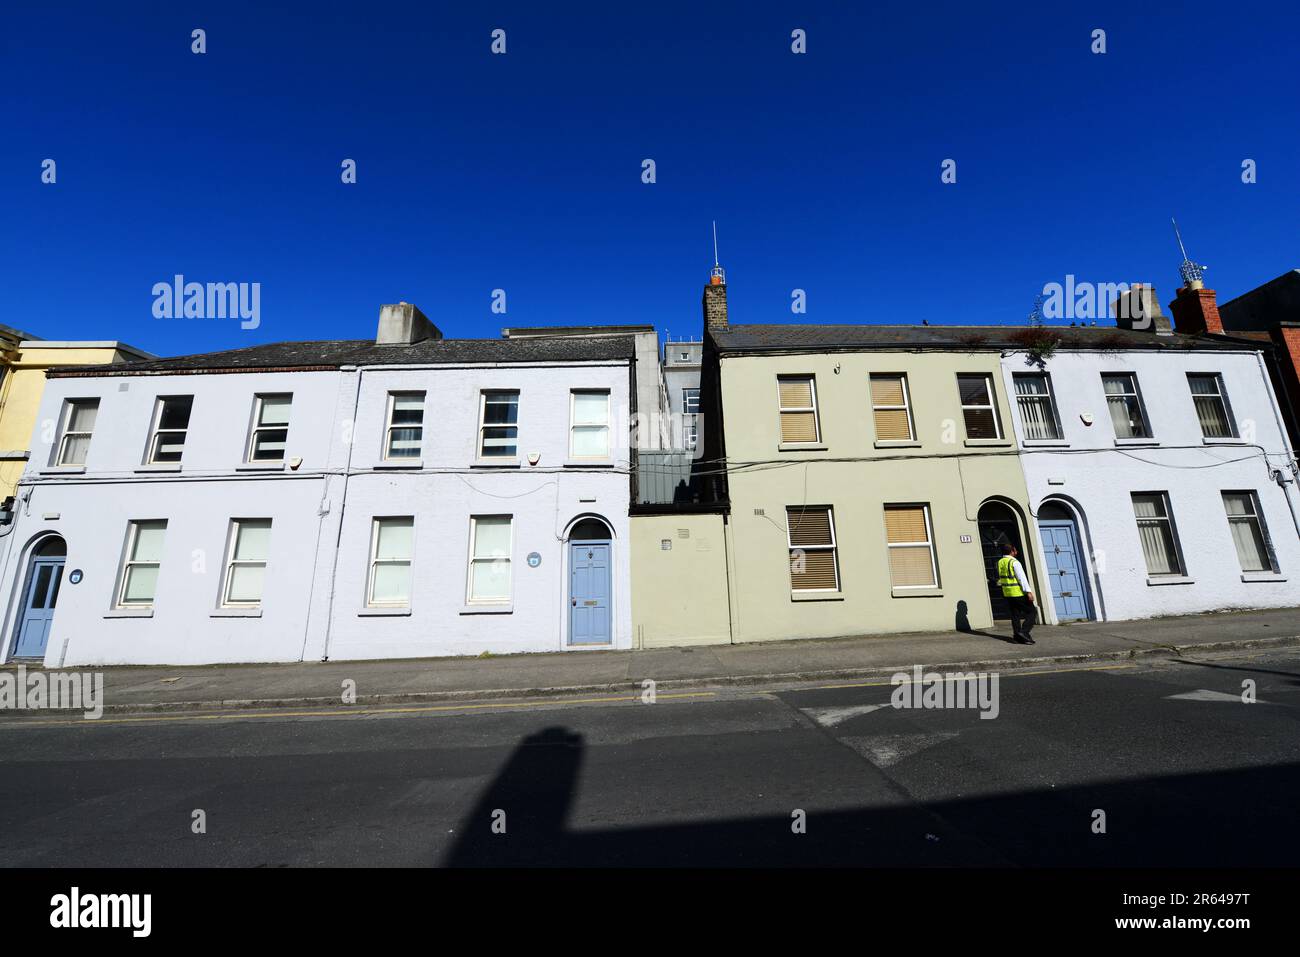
x=38, y=607
x=1065, y=570
x=589, y=588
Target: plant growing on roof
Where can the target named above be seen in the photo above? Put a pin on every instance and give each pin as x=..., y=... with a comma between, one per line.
x=1037, y=342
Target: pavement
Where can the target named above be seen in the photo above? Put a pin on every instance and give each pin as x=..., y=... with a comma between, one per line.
x=1158, y=761
x=130, y=689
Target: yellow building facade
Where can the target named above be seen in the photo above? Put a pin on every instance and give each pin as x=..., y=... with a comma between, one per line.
x=869, y=488
x=24, y=360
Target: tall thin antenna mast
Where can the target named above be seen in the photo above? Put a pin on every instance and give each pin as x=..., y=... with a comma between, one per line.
x=1193, y=273
x=716, y=276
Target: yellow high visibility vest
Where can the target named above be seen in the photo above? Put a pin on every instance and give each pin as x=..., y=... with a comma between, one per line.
x=1007, y=578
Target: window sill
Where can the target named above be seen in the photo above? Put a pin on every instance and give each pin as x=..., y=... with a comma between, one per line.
x=987, y=443
x=129, y=613
x=64, y=470
x=1045, y=444
x=1263, y=577
x=816, y=596
x=801, y=447
x=159, y=467
x=588, y=463
x=260, y=467
x=399, y=464
x=897, y=444
x=1170, y=580
x=506, y=609
x=1226, y=440
x=495, y=464
x=394, y=612
x=1124, y=443
x=916, y=592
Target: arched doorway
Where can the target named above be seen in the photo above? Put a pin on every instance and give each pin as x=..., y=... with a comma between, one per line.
x=591, y=581
x=1067, y=566
x=998, y=526
x=39, y=596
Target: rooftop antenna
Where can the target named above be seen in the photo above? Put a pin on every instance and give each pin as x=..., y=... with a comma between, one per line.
x=1193, y=273
x=1036, y=316
x=716, y=276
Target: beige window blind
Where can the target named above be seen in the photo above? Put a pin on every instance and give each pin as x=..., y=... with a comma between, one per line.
x=911, y=550
x=798, y=396
x=889, y=404
x=812, y=549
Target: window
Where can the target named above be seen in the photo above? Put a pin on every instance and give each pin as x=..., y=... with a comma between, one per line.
x=798, y=397
x=977, y=406
x=78, y=423
x=690, y=418
x=250, y=541
x=1211, y=406
x=489, y=564
x=1125, y=405
x=1037, y=407
x=171, y=421
x=139, y=582
x=812, y=549
x=270, y=428
x=1156, y=530
x=498, y=426
x=910, y=546
x=391, y=543
x=405, y=433
x=1248, y=532
x=589, y=425
x=890, y=405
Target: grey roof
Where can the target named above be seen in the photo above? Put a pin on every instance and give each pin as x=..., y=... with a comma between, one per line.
x=817, y=338
x=333, y=353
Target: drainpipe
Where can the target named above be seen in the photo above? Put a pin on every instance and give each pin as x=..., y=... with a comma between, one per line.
x=338, y=539
x=1285, y=479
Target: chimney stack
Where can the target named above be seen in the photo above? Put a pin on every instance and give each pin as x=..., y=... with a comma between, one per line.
x=1138, y=309
x=1196, y=311
x=403, y=325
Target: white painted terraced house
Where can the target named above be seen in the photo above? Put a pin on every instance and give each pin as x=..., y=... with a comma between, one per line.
x=411, y=496
x=1159, y=475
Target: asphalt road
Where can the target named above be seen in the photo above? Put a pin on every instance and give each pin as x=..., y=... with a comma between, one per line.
x=1184, y=771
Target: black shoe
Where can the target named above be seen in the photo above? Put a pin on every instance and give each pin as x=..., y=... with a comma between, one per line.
x=1026, y=640
x=1017, y=637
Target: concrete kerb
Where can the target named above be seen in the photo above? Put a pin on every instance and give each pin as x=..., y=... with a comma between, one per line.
x=634, y=687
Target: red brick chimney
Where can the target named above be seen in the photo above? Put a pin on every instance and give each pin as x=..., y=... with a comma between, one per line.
x=1195, y=311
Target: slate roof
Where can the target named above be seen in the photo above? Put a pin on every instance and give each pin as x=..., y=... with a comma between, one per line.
x=816, y=338
x=333, y=353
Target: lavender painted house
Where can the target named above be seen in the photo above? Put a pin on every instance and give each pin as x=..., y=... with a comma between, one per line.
x=404, y=497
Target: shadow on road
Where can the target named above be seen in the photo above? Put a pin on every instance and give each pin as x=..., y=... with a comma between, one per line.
x=1225, y=818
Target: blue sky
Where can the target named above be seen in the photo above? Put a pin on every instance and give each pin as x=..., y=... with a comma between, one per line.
x=523, y=171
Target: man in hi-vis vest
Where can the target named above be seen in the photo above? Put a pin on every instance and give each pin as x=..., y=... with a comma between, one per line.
x=1016, y=590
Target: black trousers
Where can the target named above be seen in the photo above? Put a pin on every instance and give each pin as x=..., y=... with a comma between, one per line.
x=1023, y=615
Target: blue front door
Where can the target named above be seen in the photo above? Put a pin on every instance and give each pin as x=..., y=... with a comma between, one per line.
x=589, y=579
x=1065, y=570
x=38, y=607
